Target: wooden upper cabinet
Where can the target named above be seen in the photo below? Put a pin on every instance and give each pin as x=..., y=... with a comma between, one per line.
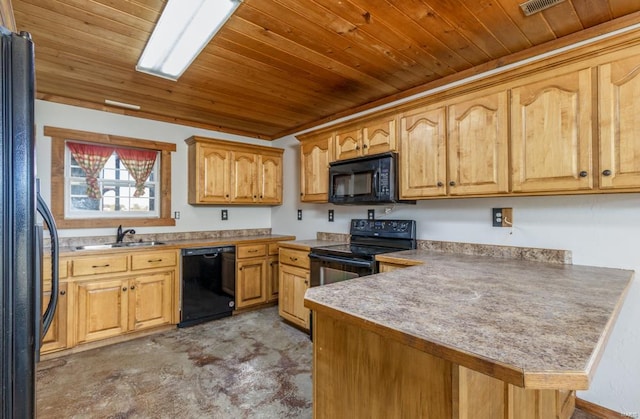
x=367, y=137
x=422, y=159
x=477, y=145
x=209, y=174
x=551, y=133
x=316, y=152
x=244, y=177
x=225, y=172
x=380, y=135
x=348, y=143
x=619, y=102
x=270, y=179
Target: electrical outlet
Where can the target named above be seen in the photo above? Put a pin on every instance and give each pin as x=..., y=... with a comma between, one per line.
x=502, y=217
x=224, y=215
x=371, y=214
x=299, y=215
x=176, y=215
x=331, y=215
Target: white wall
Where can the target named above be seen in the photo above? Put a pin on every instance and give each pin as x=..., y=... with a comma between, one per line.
x=192, y=218
x=600, y=230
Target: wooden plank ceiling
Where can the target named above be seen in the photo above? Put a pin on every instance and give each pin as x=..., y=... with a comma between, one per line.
x=281, y=65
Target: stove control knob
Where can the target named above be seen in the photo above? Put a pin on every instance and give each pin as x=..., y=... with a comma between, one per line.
x=361, y=224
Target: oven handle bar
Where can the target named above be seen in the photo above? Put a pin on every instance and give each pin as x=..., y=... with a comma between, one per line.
x=338, y=259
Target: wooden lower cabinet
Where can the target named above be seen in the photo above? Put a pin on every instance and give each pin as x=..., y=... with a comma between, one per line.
x=108, y=308
x=273, y=278
x=102, y=309
x=361, y=374
x=294, y=282
x=56, y=337
x=251, y=282
x=151, y=300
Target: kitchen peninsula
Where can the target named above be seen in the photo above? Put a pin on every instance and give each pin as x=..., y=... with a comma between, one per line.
x=461, y=336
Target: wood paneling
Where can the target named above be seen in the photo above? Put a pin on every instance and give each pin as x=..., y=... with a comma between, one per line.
x=279, y=66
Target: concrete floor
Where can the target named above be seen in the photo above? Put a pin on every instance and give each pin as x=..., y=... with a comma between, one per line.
x=247, y=366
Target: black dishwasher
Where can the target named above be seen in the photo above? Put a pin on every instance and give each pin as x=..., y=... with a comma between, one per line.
x=208, y=284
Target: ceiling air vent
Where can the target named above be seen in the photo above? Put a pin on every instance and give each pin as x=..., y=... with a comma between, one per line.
x=534, y=6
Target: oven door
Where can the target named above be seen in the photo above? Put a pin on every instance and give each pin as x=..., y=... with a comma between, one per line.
x=327, y=269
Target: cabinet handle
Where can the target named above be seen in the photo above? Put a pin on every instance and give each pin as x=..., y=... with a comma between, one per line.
x=255, y=196
x=240, y=268
x=357, y=147
x=606, y=172
x=154, y=260
x=124, y=288
x=306, y=282
x=293, y=259
x=301, y=194
x=452, y=183
x=440, y=184
x=583, y=173
x=100, y=266
x=226, y=196
x=63, y=292
x=365, y=146
x=253, y=251
x=260, y=196
x=132, y=287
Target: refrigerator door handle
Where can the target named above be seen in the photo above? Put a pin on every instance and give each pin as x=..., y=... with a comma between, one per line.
x=53, y=232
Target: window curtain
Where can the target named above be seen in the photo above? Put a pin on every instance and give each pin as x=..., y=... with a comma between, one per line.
x=91, y=158
x=139, y=163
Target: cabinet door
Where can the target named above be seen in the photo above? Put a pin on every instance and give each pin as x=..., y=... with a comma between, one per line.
x=270, y=179
x=619, y=101
x=379, y=136
x=102, y=309
x=315, y=156
x=56, y=337
x=273, y=278
x=150, y=300
x=243, y=177
x=551, y=134
x=348, y=143
x=422, y=153
x=213, y=174
x=251, y=282
x=477, y=145
x=294, y=282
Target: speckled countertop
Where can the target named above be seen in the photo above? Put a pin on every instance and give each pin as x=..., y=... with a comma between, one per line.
x=537, y=325
x=183, y=243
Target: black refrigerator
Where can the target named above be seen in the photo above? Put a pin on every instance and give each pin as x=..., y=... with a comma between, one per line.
x=22, y=324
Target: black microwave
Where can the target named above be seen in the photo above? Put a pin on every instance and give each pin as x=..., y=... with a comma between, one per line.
x=365, y=180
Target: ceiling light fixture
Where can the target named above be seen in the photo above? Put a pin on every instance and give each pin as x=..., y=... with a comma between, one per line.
x=183, y=30
x=122, y=104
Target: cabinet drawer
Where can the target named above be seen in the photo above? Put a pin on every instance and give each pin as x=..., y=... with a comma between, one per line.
x=99, y=265
x=153, y=260
x=251, y=251
x=273, y=248
x=299, y=258
x=46, y=269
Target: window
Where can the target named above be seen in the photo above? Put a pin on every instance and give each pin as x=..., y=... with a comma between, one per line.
x=106, y=180
x=118, y=193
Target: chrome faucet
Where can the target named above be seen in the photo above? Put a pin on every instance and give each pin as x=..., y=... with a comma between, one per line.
x=120, y=233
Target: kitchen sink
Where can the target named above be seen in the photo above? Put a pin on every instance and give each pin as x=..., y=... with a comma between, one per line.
x=117, y=245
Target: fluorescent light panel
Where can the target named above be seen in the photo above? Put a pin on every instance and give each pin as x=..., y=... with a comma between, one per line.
x=121, y=104
x=184, y=29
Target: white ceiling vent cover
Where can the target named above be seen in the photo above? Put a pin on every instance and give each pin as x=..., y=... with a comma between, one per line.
x=534, y=6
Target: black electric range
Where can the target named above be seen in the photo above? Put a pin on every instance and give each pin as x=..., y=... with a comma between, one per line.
x=368, y=238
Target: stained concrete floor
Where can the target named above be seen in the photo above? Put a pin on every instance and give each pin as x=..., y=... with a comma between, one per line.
x=247, y=366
